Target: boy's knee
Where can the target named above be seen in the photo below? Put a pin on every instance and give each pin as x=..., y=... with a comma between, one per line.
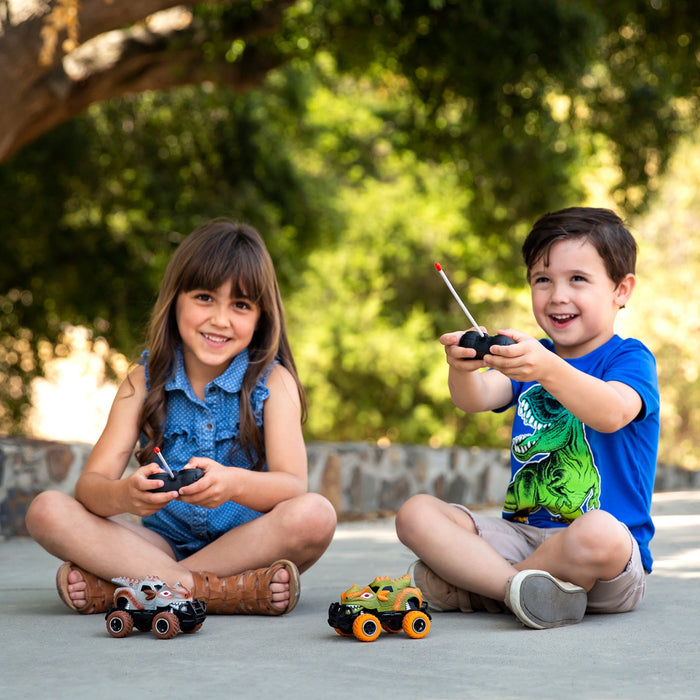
x=410, y=515
x=599, y=537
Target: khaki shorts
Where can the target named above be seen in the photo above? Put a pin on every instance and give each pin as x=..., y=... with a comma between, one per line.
x=517, y=541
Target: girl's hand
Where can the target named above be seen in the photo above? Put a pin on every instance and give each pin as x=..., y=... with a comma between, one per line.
x=140, y=500
x=459, y=358
x=526, y=361
x=213, y=489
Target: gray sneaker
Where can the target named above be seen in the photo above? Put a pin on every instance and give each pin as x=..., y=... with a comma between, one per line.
x=541, y=601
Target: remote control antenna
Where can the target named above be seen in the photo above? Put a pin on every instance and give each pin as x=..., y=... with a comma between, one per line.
x=438, y=267
x=165, y=464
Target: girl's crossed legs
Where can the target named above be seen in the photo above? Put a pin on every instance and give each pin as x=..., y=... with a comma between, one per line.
x=299, y=530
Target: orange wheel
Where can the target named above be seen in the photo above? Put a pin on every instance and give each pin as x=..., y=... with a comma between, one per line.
x=366, y=627
x=416, y=624
x=390, y=630
x=119, y=623
x=341, y=633
x=165, y=625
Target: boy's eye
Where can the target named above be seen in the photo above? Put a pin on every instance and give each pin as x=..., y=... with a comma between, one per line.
x=540, y=279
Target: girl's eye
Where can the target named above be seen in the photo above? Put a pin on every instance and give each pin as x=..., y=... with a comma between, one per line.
x=241, y=304
x=203, y=296
x=578, y=278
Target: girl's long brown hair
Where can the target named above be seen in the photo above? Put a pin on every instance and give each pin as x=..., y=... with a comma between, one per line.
x=210, y=256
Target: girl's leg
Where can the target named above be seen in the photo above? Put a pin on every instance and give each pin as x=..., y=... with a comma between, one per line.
x=445, y=538
x=298, y=530
x=106, y=547
x=595, y=547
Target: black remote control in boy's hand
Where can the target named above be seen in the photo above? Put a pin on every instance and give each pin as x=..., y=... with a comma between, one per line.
x=184, y=477
x=482, y=343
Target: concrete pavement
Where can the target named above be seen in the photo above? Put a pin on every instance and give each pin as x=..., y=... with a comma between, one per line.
x=48, y=652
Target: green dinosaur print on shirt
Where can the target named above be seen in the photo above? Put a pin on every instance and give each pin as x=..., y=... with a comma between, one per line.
x=565, y=480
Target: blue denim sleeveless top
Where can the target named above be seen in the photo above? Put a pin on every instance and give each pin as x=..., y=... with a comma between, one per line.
x=210, y=429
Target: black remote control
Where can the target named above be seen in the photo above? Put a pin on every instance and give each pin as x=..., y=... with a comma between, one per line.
x=184, y=477
x=482, y=343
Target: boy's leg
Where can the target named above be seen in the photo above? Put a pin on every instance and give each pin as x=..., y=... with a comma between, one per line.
x=445, y=538
x=594, y=547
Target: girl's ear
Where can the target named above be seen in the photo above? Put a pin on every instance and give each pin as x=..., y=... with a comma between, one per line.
x=623, y=291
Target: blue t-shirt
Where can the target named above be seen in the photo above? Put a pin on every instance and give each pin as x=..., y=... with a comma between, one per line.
x=562, y=468
x=209, y=428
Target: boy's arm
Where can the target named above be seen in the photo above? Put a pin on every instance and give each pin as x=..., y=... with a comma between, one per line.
x=473, y=391
x=604, y=406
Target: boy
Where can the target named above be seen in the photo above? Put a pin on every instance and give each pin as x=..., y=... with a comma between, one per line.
x=575, y=526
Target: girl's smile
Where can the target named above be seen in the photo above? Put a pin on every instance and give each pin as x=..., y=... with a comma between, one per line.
x=214, y=327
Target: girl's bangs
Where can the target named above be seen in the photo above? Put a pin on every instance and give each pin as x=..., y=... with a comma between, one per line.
x=213, y=268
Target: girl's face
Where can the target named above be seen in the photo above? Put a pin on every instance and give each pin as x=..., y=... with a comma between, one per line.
x=214, y=328
x=573, y=299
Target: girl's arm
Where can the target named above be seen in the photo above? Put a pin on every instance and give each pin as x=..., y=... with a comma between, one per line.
x=100, y=487
x=285, y=452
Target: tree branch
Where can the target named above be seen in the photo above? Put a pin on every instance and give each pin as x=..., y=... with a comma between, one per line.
x=161, y=51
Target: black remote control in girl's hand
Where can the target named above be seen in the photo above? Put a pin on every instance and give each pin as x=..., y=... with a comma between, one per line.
x=184, y=477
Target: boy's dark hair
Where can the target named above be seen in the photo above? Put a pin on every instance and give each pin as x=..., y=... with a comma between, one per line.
x=602, y=227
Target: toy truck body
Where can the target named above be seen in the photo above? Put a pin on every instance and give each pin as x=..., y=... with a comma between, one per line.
x=151, y=604
x=389, y=604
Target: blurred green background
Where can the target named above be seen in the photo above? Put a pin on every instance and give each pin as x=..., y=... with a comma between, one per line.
x=384, y=136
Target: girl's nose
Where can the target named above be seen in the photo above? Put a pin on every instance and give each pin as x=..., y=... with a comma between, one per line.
x=220, y=315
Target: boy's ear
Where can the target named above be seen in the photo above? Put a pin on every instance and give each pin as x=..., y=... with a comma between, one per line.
x=623, y=291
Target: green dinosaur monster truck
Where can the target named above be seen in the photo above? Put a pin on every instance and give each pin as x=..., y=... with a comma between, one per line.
x=389, y=604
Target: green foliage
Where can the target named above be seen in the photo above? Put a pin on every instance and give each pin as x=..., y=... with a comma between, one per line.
x=398, y=134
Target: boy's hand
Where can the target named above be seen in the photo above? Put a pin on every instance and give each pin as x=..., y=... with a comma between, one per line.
x=459, y=358
x=141, y=500
x=526, y=361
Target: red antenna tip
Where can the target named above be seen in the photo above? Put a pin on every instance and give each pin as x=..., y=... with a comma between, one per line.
x=438, y=267
x=156, y=450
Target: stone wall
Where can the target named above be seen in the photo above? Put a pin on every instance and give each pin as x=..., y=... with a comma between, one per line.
x=360, y=480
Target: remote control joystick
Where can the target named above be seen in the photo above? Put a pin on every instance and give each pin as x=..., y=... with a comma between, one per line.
x=483, y=343
x=478, y=340
x=185, y=477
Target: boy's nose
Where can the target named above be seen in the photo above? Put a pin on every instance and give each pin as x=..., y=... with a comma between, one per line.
x=560, y=294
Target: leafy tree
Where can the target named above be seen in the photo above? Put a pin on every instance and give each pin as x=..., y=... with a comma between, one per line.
x=383, y=135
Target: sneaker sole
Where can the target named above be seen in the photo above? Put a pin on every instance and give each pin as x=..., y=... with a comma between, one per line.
x=541, y=602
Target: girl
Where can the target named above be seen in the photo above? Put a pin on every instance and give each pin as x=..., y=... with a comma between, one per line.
x=218, y=390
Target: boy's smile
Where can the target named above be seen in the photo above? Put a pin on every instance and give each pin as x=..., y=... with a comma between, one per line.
x=574, y=300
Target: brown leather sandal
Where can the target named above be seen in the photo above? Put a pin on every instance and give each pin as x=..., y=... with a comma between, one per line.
x=247, y=593
x=98, y=592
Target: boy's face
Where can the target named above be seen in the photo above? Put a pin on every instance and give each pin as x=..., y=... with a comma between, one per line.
x=573, y=299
